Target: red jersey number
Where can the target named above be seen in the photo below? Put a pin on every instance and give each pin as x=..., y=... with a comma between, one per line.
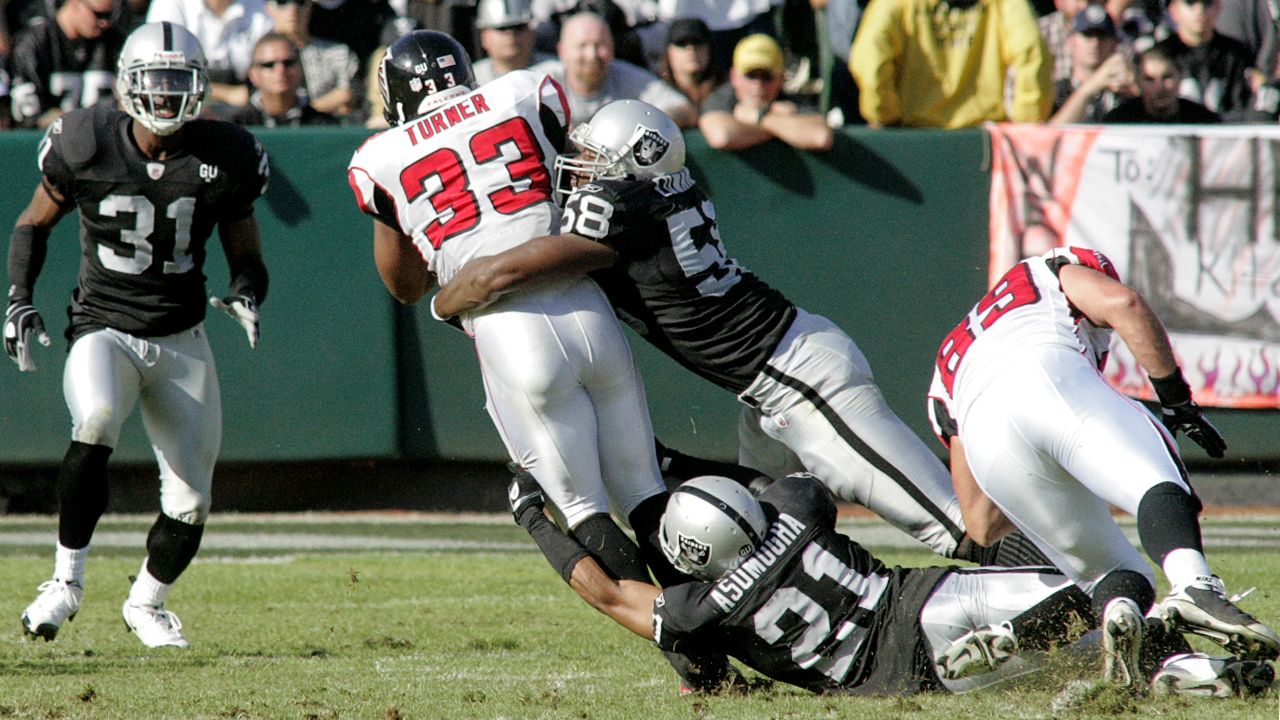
x=457, y=209
x=1014, y=290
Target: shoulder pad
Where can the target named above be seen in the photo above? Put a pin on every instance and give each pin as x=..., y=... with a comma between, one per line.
x=79, y=131
x=225, y=144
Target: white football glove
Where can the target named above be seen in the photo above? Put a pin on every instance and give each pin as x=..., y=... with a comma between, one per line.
x=21, y=321
x=243, y=310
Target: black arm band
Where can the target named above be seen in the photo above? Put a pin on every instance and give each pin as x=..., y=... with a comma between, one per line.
x=27, y=249
x=1172, y=389
x=252, y=281
x=562, y=551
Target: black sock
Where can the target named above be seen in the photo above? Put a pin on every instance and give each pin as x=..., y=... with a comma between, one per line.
x=1168, y=520
x=82, y=493
x=171, y=545
x=1123, y=583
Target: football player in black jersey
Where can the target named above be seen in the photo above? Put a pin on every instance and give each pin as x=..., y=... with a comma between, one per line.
x=649, y=234
x=778, y=588
x=150, y=184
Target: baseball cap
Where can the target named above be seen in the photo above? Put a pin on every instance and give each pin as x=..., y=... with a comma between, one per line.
x=757, y=52
x=688, y=31
x=1094, y=20
x=503, y=13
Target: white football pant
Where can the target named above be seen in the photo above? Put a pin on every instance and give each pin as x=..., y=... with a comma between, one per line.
x=565, y=395
x=108, y=372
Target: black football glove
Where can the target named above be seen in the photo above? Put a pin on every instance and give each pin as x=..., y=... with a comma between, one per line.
x=22, y=323
x=524, y=494
x=1179, y=413
x=243, y=310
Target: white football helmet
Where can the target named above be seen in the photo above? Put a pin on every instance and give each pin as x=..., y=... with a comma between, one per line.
x=161, y=77
x=626, y=139
x=711, y=524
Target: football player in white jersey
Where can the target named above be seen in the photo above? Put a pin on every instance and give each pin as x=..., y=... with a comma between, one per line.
x=1040, y=441
x=809, y=400
x=150, y=185
x=465, y=172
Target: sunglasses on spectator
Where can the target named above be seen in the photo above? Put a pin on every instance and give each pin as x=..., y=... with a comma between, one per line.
x=282, y=3
x=106, y=15
x=689, y=42
x=271, y=64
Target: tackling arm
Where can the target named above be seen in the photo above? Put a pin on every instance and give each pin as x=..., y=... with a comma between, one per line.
x=401, y=267
x=542, y=259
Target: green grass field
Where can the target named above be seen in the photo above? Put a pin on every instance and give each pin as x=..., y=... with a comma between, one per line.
x=312, y=617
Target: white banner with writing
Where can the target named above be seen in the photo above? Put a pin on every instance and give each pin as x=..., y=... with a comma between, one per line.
x=1189, y=217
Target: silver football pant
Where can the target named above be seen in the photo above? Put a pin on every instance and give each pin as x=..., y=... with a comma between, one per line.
x=108, y=372
x=816, y=407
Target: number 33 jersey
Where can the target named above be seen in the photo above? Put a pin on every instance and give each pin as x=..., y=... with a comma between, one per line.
x=1025, y=308
x=145, y=223
x=471, y=177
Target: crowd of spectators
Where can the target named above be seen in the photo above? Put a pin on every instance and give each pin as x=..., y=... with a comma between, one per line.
x=743, y=71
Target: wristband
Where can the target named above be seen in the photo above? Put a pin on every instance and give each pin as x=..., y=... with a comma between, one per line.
x=27, y=249
x=1172, y=389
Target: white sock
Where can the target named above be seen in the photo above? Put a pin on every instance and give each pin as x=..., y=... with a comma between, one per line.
x=68, y=564
x=1184, y=565
x=147, y=590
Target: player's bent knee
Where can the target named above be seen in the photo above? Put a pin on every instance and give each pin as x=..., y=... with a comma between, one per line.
x=187, y=506
x=99, y=426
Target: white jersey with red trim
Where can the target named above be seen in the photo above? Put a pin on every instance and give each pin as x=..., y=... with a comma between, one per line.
x=421, y=177
x=1026, y=308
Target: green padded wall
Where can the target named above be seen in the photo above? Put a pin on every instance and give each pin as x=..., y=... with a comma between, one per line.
x=885, y=234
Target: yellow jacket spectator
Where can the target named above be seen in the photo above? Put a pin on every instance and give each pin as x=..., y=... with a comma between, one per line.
x=932, y=63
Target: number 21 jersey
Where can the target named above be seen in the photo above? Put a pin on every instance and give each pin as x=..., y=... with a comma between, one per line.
x=471, y=177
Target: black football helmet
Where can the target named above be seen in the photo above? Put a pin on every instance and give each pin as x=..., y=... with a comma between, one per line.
x=422, y=64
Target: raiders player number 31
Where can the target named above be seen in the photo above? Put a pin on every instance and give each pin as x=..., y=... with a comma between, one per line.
x=150, y=183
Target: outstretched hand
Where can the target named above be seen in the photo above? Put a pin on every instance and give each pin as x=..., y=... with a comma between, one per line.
x=243, y=310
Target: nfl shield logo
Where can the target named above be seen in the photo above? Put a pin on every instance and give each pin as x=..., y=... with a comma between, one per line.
x=695, y=552
x=155, y=170
x=650, y=148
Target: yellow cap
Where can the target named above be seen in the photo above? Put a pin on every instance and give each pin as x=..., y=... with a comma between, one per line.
x=757, y=52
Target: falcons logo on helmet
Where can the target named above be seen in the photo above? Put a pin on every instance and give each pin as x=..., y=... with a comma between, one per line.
x=650, y=148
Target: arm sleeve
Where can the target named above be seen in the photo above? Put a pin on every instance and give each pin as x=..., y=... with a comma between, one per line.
x=877, y=48
x=1027, y=54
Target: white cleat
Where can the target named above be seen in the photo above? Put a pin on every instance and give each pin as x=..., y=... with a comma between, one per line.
x=154, y=626
x=1122, y=627
x=1199, y=675
x=978, y=651
x=58, y=602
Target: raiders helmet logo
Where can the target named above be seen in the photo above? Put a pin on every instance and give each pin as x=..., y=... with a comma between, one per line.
x=650, y=148
x=697, y=553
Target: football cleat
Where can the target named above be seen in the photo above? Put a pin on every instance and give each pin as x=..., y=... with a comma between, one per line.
x=1202, y=608
x=977, y=651
x=1122, y=629
x=58, y=602
x=154, y=626
x=1200, y=675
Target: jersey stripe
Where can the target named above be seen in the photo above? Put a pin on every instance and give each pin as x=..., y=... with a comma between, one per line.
x=859, y=446
x=733, y=514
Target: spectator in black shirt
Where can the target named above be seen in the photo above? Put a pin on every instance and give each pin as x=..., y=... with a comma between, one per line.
x=1213, y=66
x=276, y=75
x=65, y=62
x=1158, y=100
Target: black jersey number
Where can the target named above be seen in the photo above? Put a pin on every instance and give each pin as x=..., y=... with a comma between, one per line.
x=828, y=649
x=180, y=211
